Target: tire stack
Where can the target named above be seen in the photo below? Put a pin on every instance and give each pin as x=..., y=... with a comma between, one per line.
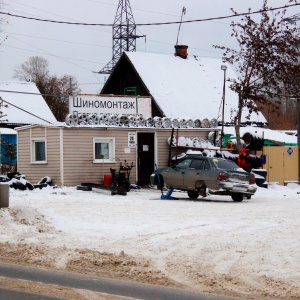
x=253, y=142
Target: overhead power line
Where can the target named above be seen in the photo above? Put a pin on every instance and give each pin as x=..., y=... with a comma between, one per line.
x=154, y=24
x=24, y=110
x=28, y=93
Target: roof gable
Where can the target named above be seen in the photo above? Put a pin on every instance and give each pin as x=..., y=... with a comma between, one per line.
x=188, y=88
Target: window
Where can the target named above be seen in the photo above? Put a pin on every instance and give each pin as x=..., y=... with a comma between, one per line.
x=197, y=164
x=104, y=150
x=184, y=164
x=38, y=154
x=225, y=164
x=206, y=165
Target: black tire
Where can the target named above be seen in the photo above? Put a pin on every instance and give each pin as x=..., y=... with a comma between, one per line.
x=114, y=192
x=12, y=175
x=45, y=179
x=252, y=142
x=238, y=197
x=193, y=194
x=84, y=188
x=29, y=186
x=20, y=186
x=128, y=186
x=122, y=191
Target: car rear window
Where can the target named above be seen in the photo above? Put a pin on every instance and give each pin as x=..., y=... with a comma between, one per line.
x=225, y=164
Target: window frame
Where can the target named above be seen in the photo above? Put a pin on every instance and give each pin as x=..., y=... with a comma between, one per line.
x=111, y=149
x=33, y=151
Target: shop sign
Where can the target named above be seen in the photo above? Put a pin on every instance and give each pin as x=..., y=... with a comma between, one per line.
x=131, y=139
x=110, y=105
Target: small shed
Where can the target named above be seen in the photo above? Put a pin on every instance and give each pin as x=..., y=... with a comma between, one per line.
x=75, y=155
x=280, y=151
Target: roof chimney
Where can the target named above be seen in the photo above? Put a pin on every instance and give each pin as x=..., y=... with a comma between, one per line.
x=181, y=50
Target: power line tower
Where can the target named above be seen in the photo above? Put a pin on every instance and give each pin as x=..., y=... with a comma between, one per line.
x=124, y=35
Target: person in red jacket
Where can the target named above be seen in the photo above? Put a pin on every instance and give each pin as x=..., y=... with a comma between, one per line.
x=244, y=160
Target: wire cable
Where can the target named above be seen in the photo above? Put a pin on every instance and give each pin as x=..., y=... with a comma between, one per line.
x=1, y=99
x=154, y=24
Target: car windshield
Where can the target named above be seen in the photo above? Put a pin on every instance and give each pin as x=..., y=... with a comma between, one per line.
x=225, y=164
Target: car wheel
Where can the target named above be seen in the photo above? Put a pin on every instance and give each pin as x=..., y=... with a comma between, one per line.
x=237, y=197
x=193, y=194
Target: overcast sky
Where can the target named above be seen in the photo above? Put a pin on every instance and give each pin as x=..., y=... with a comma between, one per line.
x=81, y=50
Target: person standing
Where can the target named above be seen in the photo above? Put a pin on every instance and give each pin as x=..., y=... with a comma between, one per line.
x=244, y=160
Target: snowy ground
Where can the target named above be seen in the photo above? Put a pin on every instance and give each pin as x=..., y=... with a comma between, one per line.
x=248, y=249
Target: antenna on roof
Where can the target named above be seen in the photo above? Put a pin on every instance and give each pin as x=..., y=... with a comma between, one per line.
x=182, y=13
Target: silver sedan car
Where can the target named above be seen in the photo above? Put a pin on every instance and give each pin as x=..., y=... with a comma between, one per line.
x=199, y=174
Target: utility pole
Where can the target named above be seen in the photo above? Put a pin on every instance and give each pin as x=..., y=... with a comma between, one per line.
x=223, y=68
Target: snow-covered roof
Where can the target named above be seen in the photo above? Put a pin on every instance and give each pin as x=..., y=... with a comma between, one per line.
x=188, y=88
x=7, y=131
x=267, y=134
x=25, y=104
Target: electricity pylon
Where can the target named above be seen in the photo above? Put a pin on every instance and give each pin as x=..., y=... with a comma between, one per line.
x=124, y=35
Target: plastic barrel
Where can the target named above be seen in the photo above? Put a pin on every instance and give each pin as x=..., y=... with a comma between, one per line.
x=107, y=180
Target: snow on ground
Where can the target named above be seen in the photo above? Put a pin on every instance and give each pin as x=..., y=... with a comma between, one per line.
x=248, y=249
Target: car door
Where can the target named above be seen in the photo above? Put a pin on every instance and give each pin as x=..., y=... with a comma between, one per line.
x=207, y=174
x=192, y=174
x=174, y=177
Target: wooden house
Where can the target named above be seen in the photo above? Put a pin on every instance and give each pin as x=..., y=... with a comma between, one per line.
x=189, y=87
x=85, y=154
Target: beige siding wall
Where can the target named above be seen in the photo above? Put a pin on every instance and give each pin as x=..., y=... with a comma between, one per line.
x=78, y=155
x=163, y=146
x=34, y=172
x=77, y=158
x=23, y=160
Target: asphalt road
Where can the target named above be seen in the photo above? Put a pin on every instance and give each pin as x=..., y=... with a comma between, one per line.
x=8, y=294
x=97, y=284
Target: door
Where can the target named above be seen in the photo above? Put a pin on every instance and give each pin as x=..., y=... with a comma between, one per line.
x=275, y=164
x=145, y=157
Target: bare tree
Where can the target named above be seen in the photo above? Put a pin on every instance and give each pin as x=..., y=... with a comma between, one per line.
x=57, y=91
x=54, y=89
x=266, y=61
x=35, y=69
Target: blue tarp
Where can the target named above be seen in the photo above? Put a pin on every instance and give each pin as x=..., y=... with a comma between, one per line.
x=12, y=139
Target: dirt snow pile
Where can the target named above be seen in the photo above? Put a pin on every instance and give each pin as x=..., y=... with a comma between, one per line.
x=248, y=249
